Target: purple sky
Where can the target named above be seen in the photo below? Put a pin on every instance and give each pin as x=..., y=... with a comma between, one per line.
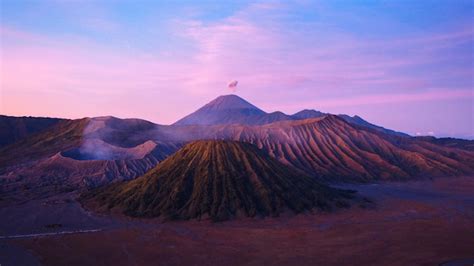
x=405, y=65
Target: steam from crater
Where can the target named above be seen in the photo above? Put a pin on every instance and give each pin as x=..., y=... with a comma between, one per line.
x=233, y=85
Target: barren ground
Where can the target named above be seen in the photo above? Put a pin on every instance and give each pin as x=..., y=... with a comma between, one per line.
x=414, y=223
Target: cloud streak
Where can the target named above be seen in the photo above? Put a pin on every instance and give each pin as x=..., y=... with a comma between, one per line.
x=282, y=57
x=378, y=99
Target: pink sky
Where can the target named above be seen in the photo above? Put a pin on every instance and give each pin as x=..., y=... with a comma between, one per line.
x=281, y=64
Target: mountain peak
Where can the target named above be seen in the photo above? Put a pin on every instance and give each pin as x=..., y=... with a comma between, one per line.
x=308, y=113
x=225, y=109
x=230, y=101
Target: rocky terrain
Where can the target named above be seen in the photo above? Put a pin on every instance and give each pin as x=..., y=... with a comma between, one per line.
x=90, y=152
x=230, y=161
x=231, y=109
x=219, y=180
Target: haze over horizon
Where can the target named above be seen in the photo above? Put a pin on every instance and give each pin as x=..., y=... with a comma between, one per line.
x=407, y=66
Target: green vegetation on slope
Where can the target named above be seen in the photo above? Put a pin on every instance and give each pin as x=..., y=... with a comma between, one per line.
x=219, y=179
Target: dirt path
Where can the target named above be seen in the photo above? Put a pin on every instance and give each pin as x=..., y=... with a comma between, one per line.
x=51, y=234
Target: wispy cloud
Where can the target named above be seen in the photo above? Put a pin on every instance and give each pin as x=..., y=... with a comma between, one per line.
x=377, y=99
x=278, y=56
x=272, y=56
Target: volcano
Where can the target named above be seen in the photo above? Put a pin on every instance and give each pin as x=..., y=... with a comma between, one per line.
x=219, y=180
x=231, y=109
x=226, y=109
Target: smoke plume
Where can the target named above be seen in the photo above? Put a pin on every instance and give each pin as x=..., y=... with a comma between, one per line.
x=233, y=85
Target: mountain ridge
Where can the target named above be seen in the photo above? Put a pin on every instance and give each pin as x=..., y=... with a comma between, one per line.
x=220, y=180
x=232, y=109
x=16, y=128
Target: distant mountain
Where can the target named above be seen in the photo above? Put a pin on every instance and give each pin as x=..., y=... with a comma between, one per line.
x=231, y=109
x=61, y=136
x=95, y=151
x=13, y=129
x=450, y=142
x=115, y=131
x=227, y=109
x=336, y=150
x=100, y=138
x=65, y=172
x=219, y=180
x=327, y=147
x=332, y=149
x=306, y=113
x=357, y=120
x=75, y=155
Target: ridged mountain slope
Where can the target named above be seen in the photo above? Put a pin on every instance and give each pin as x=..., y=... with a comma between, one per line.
x=220, y=180
x=231, y=109
x=62, y=136
x=333, y=149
